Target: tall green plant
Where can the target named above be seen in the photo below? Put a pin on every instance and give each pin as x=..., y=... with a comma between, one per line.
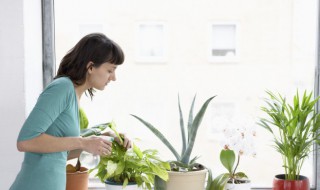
x=183, y=160
x=297, y=126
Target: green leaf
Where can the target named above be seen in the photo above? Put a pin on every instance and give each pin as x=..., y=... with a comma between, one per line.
x=227, y=158
x=159, y=135
x=195, y=125
x=120, y=168
x=111, y=168
x=137, y=151
x=240, y=175
x=159, y=184
x=209, y=182
x=183, y=134
x=159, y=172
x=190, y=120
x=113, y=127
x=125, y=183
x=219, y=182
x=83, y=119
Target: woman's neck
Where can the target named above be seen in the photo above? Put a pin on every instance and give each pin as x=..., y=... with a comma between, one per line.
x=79, y=91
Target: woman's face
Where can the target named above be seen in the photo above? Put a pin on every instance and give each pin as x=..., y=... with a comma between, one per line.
x=99, y=77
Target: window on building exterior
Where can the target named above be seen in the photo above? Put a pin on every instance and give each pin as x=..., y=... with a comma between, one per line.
x=223, y=44
x=276, y=42
x=150, y=42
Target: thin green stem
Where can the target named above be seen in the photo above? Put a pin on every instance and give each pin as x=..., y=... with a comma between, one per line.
x=234, y=171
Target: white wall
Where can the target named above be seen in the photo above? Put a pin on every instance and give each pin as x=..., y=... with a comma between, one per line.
x=20, y=76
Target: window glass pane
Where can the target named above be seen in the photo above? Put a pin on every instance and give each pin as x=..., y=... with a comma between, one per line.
x=223, y=40
x=151, y=40
x=277, y=43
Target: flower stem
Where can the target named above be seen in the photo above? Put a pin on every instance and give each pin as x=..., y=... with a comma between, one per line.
x=234, y=171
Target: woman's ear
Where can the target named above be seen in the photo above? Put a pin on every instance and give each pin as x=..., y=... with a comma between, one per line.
x=90, y=66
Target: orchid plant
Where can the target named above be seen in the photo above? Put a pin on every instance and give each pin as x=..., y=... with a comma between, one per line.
x=237, y=142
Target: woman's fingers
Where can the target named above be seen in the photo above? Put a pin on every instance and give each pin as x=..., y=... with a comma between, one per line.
x=126, y=141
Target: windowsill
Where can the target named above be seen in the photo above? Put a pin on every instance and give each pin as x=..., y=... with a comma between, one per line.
x=96, y=184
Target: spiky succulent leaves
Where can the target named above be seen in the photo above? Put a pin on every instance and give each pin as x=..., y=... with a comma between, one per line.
x=159, y=135
x=219, y=182
x=83, y=119
x=191, y=117
x=183, y=134
x=227, y=158
x=195, y=125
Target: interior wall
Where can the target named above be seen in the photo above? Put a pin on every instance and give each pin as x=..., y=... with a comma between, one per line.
x=20, y=76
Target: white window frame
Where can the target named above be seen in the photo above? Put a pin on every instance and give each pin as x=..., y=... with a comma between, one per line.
x=224, y=59
x=151, y=59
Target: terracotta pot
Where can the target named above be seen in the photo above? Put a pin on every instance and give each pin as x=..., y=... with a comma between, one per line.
x=116, y=186
x=241, y=186
x=186, y=180
x=279, y=183
x=78, y=180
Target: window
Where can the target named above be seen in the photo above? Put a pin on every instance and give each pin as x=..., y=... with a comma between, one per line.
x=223, y=42
x=151, y=42
x=276, y=54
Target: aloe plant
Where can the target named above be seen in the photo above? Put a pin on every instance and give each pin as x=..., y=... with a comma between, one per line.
x=183, y=161
x=297, y=127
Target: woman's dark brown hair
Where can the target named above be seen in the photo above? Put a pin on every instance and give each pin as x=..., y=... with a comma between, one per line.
x=95, y=47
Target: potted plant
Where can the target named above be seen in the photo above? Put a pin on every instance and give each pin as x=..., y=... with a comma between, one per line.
x=297, y=125
x=185, y=173
x=130, y=169
x=237, y=141
x=77, y=176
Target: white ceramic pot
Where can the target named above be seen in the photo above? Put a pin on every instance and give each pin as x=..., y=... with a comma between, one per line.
x=241, y=186
x=194, y=180
x=114, y=186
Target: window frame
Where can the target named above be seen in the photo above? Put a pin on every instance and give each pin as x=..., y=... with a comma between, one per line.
x=49, y=67
x=145, y=59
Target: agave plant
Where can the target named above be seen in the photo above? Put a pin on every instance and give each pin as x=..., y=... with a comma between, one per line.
x=297, y=125
x=183, y=161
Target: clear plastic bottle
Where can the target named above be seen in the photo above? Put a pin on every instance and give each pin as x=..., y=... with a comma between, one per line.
x=89, y=160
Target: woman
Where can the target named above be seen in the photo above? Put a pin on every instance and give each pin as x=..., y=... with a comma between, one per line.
x=51, y=131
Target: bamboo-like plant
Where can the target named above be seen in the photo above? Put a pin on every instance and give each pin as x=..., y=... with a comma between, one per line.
x=183, y=162
x=297, y=125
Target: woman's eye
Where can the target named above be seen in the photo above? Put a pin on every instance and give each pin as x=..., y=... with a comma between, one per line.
x=109, y=71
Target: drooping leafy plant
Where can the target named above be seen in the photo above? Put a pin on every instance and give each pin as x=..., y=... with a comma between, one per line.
x=297, y=125
x=86, y=132
x=183, y=161
x=133, y=165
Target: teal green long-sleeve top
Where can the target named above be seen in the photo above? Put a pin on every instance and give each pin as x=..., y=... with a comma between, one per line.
x=56, y=113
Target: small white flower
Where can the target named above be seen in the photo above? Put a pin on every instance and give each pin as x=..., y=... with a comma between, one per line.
x=239, y=136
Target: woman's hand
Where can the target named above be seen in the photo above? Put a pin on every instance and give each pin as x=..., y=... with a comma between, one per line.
x=126, y=141
x=97, y=146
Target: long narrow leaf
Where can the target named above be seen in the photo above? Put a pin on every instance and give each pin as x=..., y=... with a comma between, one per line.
x=195, y=125
x=183, y=134
x=191, y=118
x=159, y=135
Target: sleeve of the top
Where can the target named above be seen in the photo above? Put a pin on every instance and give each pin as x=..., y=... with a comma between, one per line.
x=50, y=104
